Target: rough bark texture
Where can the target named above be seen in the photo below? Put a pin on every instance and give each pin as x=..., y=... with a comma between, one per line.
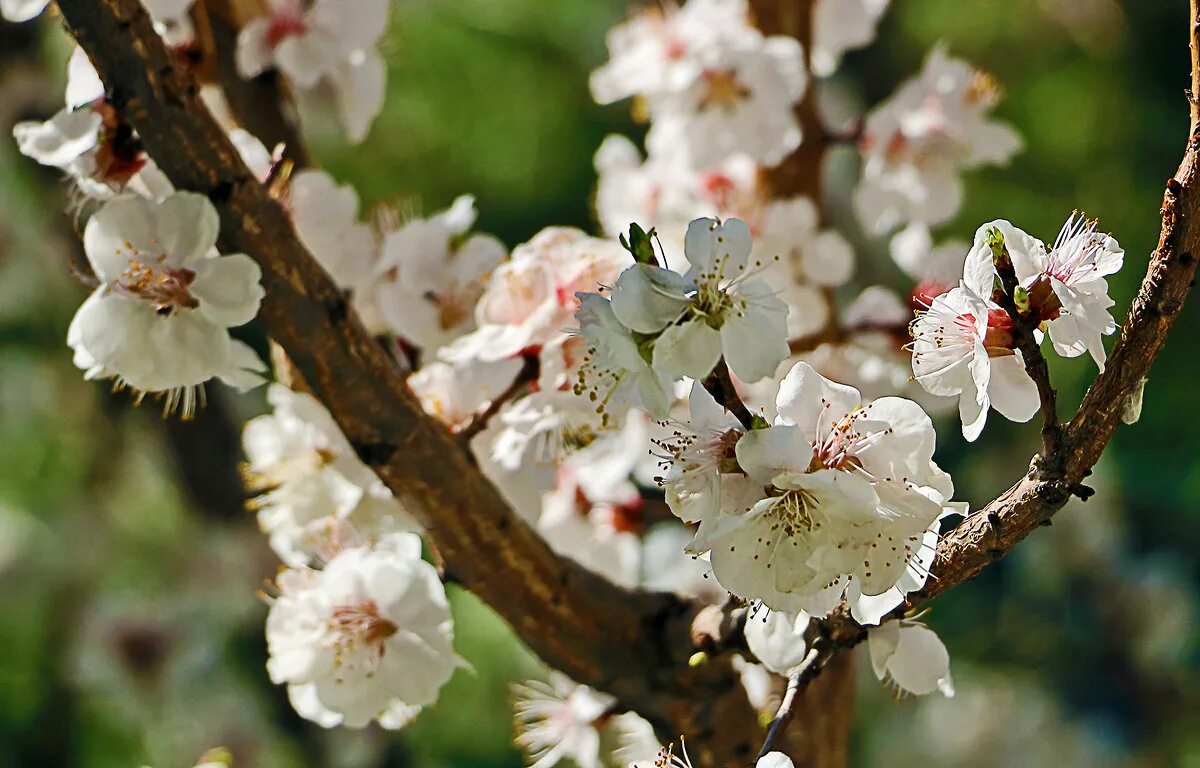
x=632, y=644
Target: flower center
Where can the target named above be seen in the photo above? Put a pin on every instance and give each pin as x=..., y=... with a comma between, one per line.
x=119, y=153
x=843, y=444
x=793, y=512
x=722, y=89
x=287, y=22
x=166, y=288
x=361, y=624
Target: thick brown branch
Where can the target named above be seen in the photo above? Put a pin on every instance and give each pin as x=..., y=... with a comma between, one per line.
x=594, y=631
x=632, y=644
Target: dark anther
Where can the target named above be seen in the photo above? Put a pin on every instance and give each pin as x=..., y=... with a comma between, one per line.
x=374, y=454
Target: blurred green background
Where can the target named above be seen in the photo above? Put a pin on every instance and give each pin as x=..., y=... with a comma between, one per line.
x=130, y=632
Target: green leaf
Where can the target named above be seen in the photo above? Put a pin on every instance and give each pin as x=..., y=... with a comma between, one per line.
x=640, y=244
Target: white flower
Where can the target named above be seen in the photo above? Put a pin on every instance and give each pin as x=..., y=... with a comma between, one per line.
x=774, y=760
x=617, y=367
x=802, y=259
x=659, y=51
x=159, y=319
x=840, y=26
x=712, y=312
x=916, y=144
x=741, y=103
x=1066, y=284
x=22, y=10
x=962, y=346
x=851, y=489
x=319, y=498
x=530, y=300
x=548, y=425
x=329, y=41
x=938, y=267
x=665, y=193
x=560, y=721
x=454, y=394
x=777, y=639
x=92, y=142
x=431, y=273
x=367, y=638
x=593, y=515
x=912, y=656
x=700, y=459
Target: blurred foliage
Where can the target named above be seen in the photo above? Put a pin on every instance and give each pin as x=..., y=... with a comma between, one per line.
x=131, y=633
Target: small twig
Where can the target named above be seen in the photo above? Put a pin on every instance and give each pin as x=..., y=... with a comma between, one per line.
x=525, y=378
x=720, y=386
x=1024, y=329
x=797, y=679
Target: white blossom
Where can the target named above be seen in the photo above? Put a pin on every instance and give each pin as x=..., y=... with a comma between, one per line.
x=327, y=42
x=454, y=394
x=661, y=50
x=777, y=639
x=326, y=216
x=911, y=656
x=368, y=638
x=840, y=26
x=1065, y=284
x=530, y=300
x=851, y=489
x=317, y=496
x=741, y=103
x=22, y=10
x=684, y=325
x=159, y=320
x=962, y=346
x=916, y=144
x=559, y=721
x=430, y=275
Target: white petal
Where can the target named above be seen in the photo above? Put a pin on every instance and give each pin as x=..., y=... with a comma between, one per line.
x=60, y=140
x=689, y=349
x=646, y=298
x=754, y=341
x=361, y=85
x=228, y=289
x=809, y=400
x=1011, y=391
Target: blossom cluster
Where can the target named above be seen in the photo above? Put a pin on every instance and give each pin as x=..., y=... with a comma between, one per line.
x=676, y=402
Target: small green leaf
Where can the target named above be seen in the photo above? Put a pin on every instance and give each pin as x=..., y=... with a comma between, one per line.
x=1021, y=299
x=640, y=244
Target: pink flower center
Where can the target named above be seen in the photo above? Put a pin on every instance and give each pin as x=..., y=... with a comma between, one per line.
x=287, y=22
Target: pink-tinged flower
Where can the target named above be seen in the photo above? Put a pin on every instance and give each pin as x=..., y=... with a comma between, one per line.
x=917, y=143
x=963, y=346
x=367, y=638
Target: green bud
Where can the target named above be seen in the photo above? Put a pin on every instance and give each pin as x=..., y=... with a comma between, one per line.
x=640, y=244
x=1021, y=299
x=698, y=659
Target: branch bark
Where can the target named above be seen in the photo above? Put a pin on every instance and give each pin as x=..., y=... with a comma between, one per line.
x=630, y=643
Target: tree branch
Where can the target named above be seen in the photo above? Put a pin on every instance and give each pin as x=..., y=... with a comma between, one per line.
x=632, y=644
x=720, y=385
x=989, y=534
